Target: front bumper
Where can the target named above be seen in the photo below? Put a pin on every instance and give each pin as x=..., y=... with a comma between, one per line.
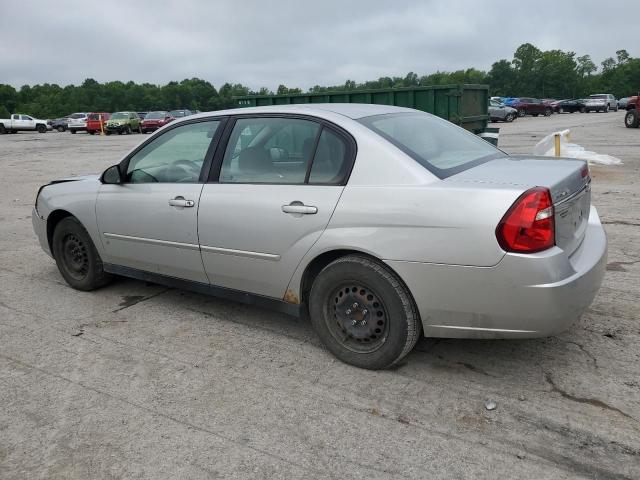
x=523, y=296
x=116, y=128
x=40, y=229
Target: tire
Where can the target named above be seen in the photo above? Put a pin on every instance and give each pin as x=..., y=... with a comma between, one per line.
x=60, y=129
x=522, y=113
x=73, y=131
x=547, y=112
x=128, y=130
x=76, y=256
x=534, y=114
x=2, y=129
x=140, y=129
x=509, y=118
x=107, y=132
x=583, y=110
x=41, y=128
x=606, y=109
x=343, y=321
x=632, y=119
x=91, y=132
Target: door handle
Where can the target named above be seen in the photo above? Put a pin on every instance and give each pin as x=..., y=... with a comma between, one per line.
x=181, y=202
x=300, y=208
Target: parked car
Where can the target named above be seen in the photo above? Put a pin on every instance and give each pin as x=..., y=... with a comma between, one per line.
x=123, y=122
x=499, y=111
x=632, y=117
x=532, y=106
x=155, y=120
x=23, y=123
x=622, y=103
x=383, y=223
x=77, y=122
x=96, y=122
x=509, y=101
x=601, y=102
x=569, y=106
x=59, y=124
x=180, y=113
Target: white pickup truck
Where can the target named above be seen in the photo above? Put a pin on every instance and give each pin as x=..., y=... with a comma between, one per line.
x=19, y=122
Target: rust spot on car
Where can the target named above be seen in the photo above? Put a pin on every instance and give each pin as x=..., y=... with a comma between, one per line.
x=291, y=297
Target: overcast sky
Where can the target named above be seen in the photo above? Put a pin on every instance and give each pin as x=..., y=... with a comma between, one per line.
x=298, y=43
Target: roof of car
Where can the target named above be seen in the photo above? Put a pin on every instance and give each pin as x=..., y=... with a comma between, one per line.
x=351, y=110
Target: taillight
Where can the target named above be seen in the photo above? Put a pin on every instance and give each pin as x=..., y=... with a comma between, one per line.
x=529, y=225
x=584, y=171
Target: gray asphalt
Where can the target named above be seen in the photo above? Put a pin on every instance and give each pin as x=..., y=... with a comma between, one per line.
x=139, y=381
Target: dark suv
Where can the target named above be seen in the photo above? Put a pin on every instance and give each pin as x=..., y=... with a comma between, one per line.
x=532, y=106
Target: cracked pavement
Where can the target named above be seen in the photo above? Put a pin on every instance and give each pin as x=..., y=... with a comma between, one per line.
x=139, y=381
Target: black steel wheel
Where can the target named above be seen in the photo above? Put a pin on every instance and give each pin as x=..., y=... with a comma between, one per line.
x=363, y=313
x=76, y=256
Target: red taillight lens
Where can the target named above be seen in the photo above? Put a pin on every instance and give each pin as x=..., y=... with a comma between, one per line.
x=529, y=225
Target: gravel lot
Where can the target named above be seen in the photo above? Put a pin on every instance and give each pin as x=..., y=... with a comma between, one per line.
x=139, y=381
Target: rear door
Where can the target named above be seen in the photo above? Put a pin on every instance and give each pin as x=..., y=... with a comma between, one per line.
x=275, y=187
x=150, y=222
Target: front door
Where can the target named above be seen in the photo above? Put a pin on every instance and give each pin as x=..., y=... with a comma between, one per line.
x=150, y=222
x=279, y=182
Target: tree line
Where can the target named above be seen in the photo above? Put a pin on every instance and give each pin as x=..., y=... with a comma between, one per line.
x=531, y=72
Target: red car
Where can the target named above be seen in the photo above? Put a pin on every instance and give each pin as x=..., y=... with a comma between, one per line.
x=154, y=120
x=532, y=106
x=96, y=121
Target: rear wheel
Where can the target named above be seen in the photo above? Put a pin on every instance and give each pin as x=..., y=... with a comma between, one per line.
x=128, y=130
x=2, y=129
x=606, y=109
x=60, y=129
x=72, y=131
x=363, y=313
x=76, y=256
x=534, y=114
x=547, y=112
x=583, y=110
x=631, y=119
x=91, y=132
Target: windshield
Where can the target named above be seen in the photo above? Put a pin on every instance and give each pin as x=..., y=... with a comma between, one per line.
x=119, y=116
x=77, y=115
x=441, y=147
x=155, y=115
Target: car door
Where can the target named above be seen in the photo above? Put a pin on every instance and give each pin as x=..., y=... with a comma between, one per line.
x=149, y=222
x=27, y=123
x=274, y=189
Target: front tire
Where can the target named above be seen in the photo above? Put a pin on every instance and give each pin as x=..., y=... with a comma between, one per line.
x=547, y=112
x=509, y=118
x=631, y=119
x=60, y=129
x=41, y=128
x=522, y=113
x=363, y=313
x=76, y=256
x=73, y=131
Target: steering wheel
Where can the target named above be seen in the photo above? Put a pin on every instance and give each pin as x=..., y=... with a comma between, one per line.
x=189, y=168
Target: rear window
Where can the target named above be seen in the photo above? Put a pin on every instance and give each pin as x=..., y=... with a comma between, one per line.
x=441, y=147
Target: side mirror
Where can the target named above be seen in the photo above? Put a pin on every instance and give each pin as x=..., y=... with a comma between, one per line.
x=112, y=176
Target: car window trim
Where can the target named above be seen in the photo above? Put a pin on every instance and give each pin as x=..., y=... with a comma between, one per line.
x=206, y=164
x=350, y=144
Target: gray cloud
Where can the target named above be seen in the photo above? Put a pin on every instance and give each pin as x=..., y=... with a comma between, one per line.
x=298, y=43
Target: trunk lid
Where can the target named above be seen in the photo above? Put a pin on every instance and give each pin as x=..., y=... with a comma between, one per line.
x=567, y=180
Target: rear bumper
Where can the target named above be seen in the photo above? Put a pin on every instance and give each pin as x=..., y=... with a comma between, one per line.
x=523, y=296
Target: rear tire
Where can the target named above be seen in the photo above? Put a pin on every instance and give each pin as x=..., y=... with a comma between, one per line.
x=631, y=119
x=363, y=313
x=128, y=130
x=2, y=129
x=60, y=129
x=522, y=113
x=583, y=110
x=73, y=131
x=76, y=256
x=91, y=132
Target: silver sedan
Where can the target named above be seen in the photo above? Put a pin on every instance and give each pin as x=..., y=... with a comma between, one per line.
x=381, y=223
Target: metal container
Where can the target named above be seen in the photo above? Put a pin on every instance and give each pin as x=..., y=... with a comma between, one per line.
x=465, y=105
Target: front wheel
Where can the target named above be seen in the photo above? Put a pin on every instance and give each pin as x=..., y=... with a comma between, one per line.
x=73, y=131
x=128, y=130
x=583, y=110
x=547, y=112
x=632, y=119
x=363, y=313
x=509, y=118
x=2, y=129
x=522, y=113
x=76, y=256
x=41, y=128
x=60, y=129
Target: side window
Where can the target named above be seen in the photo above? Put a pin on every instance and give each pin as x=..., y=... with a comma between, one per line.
x=330, y=162
x=15, y=117
x=26, y=117
x=174, y=157
x=269, y=150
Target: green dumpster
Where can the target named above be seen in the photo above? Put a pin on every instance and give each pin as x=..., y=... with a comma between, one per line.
x=465, y=105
